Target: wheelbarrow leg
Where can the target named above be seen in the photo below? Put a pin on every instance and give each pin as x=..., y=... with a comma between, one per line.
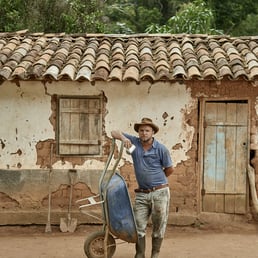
x=106, y=243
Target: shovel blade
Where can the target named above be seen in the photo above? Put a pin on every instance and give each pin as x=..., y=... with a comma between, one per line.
x=72, y=225
x=64, y=225
x=48, y=228
x=68, y=225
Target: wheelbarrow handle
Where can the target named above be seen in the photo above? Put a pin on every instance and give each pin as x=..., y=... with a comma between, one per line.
x=108, y=163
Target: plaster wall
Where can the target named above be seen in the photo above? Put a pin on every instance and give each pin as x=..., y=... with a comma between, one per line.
x=24, y=116
x=25, y=113
x=28, y=121
x=28, y=125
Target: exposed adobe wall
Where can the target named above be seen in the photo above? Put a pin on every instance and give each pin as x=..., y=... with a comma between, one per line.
x=23, y=193
x=167, y=108
x=175, y=110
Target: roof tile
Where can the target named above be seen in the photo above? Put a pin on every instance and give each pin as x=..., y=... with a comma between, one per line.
x=116, y=74
x=6, y=72
x=210, y=73
x=148, y=73
x=20, y=72
x=193, y=72
x=84, y=74
x=69, y=71
x=179, y=72
x=225, y=71
x=131, y=73
x=52, y=72
x=253, y=73
x=153, y=57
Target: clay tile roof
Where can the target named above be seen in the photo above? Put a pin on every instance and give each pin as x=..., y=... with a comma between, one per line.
x=154, y=57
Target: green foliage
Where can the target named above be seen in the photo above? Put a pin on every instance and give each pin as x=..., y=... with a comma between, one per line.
x=238, y=17
x=46, y=15
x=10, y=15
x=192, y=18
x=71, y=16
x=247, y=26
x=119, y=18
x=84, y=16
x=137, y=15
x=229, y=14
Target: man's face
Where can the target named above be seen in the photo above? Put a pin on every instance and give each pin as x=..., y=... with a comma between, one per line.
x=145, y=133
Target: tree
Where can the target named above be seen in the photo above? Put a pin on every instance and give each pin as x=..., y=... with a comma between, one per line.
x=228, y=15
x=192, y=18
x=237, y=17
x=130, y=16
x=84, y=16
x=248, y=26
x=10, y=15
x=47, y=15
x=71, y=16
x=134, y=16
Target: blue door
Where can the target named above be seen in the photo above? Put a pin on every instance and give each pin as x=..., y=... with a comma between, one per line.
x=225, y=156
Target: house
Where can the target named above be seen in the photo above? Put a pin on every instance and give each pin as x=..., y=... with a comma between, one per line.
x=61, y=95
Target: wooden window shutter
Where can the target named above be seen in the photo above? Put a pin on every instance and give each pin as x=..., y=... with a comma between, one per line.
x=80, y=126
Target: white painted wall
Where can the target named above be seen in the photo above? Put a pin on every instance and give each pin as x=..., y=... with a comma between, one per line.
x=24, y=116
x=25, y=112
x=129, y=105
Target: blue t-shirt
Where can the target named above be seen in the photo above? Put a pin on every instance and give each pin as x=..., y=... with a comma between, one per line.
x=149, y=165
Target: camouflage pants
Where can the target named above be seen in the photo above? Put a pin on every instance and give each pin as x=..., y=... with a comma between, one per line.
x=155, y=205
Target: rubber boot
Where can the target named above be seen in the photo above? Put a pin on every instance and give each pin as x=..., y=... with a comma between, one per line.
x=156, y=244
x=140, y=248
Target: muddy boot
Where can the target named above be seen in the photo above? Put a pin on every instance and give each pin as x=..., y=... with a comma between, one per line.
x=140, y=248
x=156, y=244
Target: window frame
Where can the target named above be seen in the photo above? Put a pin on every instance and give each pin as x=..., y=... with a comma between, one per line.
x=92, y=144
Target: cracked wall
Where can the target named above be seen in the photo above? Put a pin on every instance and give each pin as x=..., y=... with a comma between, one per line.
x=28, y=111
x=29, y=118
x=28, y=128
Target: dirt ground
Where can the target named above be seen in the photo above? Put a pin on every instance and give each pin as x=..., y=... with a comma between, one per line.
x=180, y=242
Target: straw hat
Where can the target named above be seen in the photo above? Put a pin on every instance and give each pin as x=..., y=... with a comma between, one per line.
x=146, y=121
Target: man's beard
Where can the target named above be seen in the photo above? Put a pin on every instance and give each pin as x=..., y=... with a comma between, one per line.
x=146, y=140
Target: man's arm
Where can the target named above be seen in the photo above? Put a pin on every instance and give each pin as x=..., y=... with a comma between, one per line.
x=168, y=171
x=119, y=136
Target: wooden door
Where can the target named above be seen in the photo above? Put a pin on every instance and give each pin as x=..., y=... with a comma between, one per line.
x=225, y=157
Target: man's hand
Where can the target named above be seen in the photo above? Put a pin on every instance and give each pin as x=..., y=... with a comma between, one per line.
x=119, y=136
x=127, y=143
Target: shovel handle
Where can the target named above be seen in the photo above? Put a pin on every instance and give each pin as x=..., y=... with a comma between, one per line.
x=72, y=174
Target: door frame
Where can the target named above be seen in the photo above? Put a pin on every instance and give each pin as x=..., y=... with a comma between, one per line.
x=200, y=138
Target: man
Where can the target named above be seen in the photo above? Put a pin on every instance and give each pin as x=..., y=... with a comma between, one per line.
x=152, y=165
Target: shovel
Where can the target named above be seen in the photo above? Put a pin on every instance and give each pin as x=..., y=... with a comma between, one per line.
x=48, y=225
x=69, y=224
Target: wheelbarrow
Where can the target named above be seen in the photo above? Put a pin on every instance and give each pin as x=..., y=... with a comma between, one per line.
x=117, y=213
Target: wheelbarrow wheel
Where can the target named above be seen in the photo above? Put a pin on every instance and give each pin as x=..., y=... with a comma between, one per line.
x=94, y=245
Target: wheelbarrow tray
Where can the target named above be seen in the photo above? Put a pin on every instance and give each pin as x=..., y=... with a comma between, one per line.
x=119, y=212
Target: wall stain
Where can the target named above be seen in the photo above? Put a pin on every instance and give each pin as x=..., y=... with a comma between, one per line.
x=2, y=144
x=60, y=196
x=8, y=203
x=19, y=152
